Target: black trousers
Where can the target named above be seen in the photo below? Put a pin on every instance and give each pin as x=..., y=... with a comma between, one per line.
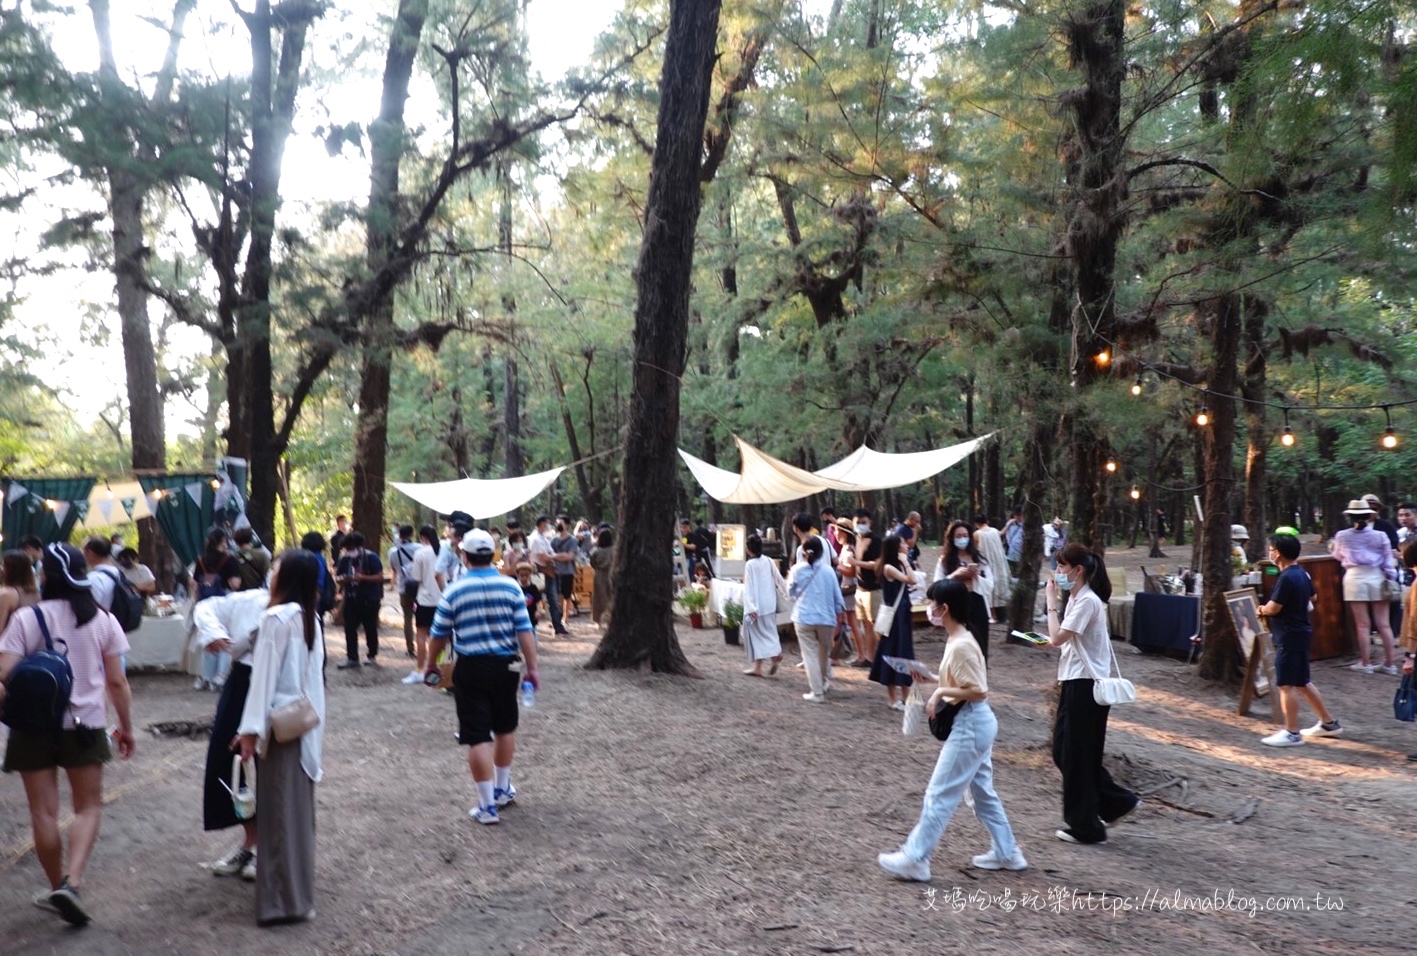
x=1090, y=796
x=357, y=615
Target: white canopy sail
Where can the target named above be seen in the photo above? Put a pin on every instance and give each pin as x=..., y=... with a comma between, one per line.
x=479, y=497
x=763, y=479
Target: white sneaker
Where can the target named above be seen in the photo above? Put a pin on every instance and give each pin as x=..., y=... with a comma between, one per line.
x=1362, y=668
x=1282, y=738
x=897, y=705
x=233, y=863
x=902, y=867
x=199, y=684
x=815, y=698
x=992, y=860
x=1390, y=670
x=484, y=815
x=248, y=872
x=1321, y=729
x=413, y=678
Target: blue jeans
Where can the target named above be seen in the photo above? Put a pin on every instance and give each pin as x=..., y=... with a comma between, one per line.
x=966, y=760
x=553, y=600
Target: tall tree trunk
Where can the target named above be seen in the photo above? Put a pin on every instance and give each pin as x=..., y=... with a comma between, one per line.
x=386, y=149
x=1256, y=429
x=1036, y=467
x=641, y=632
x=272, y=109
x=590, y=496
x=1095, y=45
x=127, y=195
x=1220, y=654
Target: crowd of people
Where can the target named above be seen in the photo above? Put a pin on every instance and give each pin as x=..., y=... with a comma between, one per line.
x=471, y=599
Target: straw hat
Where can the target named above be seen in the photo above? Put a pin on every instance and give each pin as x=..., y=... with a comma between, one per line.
x=845, y=524
x=1359, y=507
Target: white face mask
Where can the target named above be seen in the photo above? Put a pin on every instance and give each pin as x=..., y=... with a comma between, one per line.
x=1063, y=581
x=862, y=528
x=961, y=543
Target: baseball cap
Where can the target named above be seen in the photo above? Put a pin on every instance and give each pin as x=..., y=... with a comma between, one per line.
x=458, y=517
x=478, y=541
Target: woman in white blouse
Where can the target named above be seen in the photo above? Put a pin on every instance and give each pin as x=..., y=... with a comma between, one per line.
x=961, y=561
x=287, y=665
x=1091, y=799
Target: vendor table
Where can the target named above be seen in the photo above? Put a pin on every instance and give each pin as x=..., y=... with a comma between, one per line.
x=159, y=643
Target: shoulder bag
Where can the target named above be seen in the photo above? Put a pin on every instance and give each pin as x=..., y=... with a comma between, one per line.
x=885, y=617
x=296, y=719
x=942, y=721
x=1404, y=702
x=243, y=796
x=914, y=720
x=1110, y=690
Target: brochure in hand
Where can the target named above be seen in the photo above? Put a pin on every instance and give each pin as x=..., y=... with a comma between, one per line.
x=1029, y=636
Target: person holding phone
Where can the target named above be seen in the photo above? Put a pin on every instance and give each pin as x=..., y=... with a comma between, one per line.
x=961, y=561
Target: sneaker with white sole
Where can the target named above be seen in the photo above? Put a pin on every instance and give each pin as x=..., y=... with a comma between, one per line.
x=505, y=797
x=1362, y=668
x=70, y=907
x=1331, y=729
x=484, y=815
x=1390, y=670
x=233, y=863
x=43, y=902
x=897, y=705
x=902, y=867
x=1282, y=738
x=993, y=861
x=814, y=698
x=248, y=871
x=413, y=678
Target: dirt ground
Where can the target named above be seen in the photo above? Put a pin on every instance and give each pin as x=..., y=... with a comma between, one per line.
x=727, y=815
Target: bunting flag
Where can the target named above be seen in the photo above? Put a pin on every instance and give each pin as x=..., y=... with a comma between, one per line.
x=105, y=508
x=82, y=507
x=44, y=507
x=194, y=491
x=128, y=505
x=17, y=491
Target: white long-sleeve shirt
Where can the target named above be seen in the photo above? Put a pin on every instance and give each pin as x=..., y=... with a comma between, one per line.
x=762, y=583
x=281, y=667
x=233, y=617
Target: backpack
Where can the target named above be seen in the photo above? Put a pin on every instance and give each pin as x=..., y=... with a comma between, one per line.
x=37, y=693
x=209, y=583
x=127, y=604
x=327, y=589
x=410, y=586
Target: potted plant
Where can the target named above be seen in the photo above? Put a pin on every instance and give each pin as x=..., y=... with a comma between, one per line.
x=732, y=621
x=694, y=599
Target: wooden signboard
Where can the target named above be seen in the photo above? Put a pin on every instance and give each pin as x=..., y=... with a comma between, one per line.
x=1255, y=650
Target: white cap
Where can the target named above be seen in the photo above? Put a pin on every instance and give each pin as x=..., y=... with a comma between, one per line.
x=1239, y=532
x=478, y=541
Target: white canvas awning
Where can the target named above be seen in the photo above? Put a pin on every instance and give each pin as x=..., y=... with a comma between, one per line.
x=479, y=497
x=879, y=470
x=763, y=479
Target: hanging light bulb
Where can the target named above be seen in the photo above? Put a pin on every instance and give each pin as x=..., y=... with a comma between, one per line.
x=1286, y=437
x=1136, y=493
x=215, y=483
x=1203, y=416
x=1389, y=439
x=1111, y=466
x=1103, y=358
x=1136, y=386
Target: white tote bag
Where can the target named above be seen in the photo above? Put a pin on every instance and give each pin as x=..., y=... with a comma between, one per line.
x=885, y=617
x=1109, y=691
x=914, y=722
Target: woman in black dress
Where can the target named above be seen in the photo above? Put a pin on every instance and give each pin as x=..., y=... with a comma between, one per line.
x=961, y=561
x=899, y=643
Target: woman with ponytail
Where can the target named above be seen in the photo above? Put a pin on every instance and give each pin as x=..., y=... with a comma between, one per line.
x=95, y=646
x=287, y=665
x=1091, y=799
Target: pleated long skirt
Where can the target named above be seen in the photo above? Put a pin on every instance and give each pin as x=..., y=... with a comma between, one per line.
x=285, y=837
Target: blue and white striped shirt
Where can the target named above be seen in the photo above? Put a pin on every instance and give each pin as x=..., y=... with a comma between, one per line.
x=483, y=611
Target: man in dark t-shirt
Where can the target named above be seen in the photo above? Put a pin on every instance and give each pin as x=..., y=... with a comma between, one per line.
x=361, y=575
x=1288, y=614
x=868, y=581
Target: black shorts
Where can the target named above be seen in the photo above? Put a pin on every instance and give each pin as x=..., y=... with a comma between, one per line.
x=76, y=747
x=423, y=616
x=1291, y=660
x=567, y=584
x=485, y=690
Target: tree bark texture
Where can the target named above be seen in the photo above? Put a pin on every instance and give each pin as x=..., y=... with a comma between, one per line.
x=1257, y=430
x=1094, y=157
x=1220, y=654
x=641, y=632
x=386, y=149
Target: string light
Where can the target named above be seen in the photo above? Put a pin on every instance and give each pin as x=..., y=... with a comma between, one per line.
x=215, y=484
x=1389, y=439
x=1286, y=437
x=1203, y=416
x=1136, y=493
x=1103, y=358
x=1111, y=466
x=1136, y=386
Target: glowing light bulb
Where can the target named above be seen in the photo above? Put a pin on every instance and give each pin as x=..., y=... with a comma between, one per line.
x=1136, y=493
x=1203, y=417
x=1286, y=438
x=1389, y=438
x=1111, y=467
x=1103, y=358
x=1136, y=387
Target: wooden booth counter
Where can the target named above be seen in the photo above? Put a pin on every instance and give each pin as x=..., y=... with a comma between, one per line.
x=1333, y=628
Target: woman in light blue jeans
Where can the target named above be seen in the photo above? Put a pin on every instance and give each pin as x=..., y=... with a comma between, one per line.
x=967, y=757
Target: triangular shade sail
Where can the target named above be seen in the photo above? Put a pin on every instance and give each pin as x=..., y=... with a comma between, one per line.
x=479, y=497
x=764, y=479
x=879, y=470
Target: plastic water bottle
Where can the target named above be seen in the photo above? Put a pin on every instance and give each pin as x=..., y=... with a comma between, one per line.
x=528, y=694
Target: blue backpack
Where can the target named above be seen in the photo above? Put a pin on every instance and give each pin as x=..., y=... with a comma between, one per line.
x=37, y=693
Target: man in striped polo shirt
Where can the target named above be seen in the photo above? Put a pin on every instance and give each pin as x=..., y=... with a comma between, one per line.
x=484, y=614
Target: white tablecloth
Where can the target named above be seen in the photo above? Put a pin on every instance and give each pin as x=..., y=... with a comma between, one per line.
x=721, y=591
x=160, y=643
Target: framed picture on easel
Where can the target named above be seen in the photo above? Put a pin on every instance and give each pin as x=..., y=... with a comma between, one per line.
x=1255, y=651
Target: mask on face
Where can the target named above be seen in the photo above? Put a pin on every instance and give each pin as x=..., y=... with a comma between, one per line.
x=1062, y=580
x=936, y=616
x=862, y=528
x=961, y=543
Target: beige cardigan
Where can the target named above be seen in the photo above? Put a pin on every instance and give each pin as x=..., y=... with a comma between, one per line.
x=1408, y=635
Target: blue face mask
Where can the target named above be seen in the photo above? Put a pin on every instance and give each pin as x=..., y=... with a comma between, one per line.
x=1061, y=579
x=961, y=543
